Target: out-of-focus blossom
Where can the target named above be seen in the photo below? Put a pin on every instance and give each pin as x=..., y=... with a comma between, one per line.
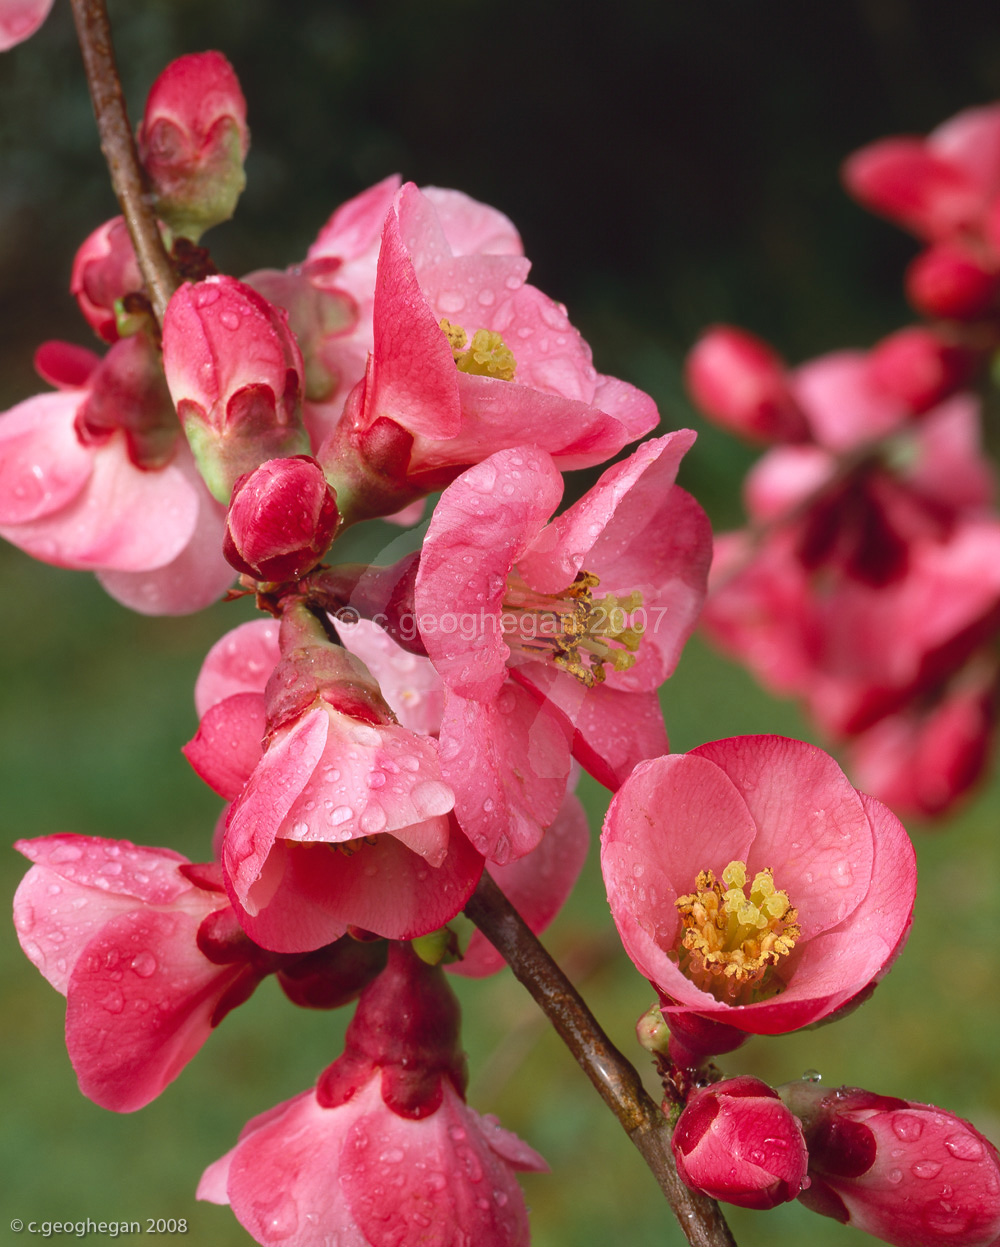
x=385, y=1149
x=192, y=141
x=910, y=1174
x=736, y=1141
x=754, y=886
x=19, y=19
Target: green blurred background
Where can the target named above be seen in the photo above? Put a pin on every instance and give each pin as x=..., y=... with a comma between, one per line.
x=669, y=165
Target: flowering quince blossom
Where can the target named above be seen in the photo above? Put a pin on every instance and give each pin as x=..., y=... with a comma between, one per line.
x=342, y=820
x=384, y=1150
x=19, y=19
x=489, y=362
x=736, y=1141
x=105, y=271
x=753, y=886
x=121, y=931
x=910, y=1174
x=536, y=628
x=946, y=190
x=96, y=477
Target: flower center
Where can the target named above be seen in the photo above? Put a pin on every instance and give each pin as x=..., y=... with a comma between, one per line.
x=732, y=942
x=487, y=354
x=579, y=633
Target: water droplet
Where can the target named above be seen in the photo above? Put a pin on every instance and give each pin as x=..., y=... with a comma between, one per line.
x=66, y=853
x=113, y=1000
x=486, y=298
x=392, y=1156
x=341, y=815
x=451, y=301
x=964, y=1147
x=483, y=478
x=812, y=1075
x=376, y=779
x=907, y=1127
x=894, y=1176
x=230, y=320
x=144, y=964
x=373, y=820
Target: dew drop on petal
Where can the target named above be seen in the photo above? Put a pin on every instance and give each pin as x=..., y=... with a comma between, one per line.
x=964, y=1147
x=144, y=964
x=907, y=1126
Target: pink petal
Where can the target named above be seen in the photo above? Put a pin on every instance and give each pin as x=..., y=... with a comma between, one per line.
x=612, y=730
x=65, y=365
x=411, y=686
x=536, y=885
x=19, y=19
x=241, y=662
x=480, y=528
x=844, y=408
x=140, y=1004
x=228, y=744
x=316, y=893
x=673, y=818
x=43, y=466
x=355, y=226
x=508, y=762
x=479, y=1192
x=971, y=141
x=471, y=227
x=812, y=831
x=256, y=817
x=284, y=1175
x=76, y=885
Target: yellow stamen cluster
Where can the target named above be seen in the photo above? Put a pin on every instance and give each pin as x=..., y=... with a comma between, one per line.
x=732, y=943
x=487, y=354
x=579, y=633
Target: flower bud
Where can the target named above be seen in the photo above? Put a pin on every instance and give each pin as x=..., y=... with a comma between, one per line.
x=192, y=142
x=105, y=270
x=918, y=367
x=737, y=1142
x=282, y=518
x=740, y=382
x=946, y=281
x=235, y=374
x=910, y=1174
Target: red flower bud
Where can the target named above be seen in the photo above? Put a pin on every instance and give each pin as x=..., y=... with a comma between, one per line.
x=192, y=142
x=741, y=383
x=736, y=1141
x=281, y=519
x=910, y=1174
x=916, y=366
x=235, y=374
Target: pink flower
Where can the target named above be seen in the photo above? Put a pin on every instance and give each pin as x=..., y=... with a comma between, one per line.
x=121, y=932
x=467, y=359
x=343, y=819
x=105, y=270
x=736, y=1141
x=535, y=628
x=830, y=874
x=385, y=1150
x=910, y=1174
x=19, y=19
x=281, y=519
x=192, y=141
x=945, y=189
x=96, y=477
x=235, y=375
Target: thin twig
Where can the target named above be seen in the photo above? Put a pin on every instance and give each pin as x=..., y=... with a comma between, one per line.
x=615, y=1079
x=118, y=145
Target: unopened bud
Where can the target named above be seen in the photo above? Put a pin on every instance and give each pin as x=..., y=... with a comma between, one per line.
x=946, y=281
x=741, y=383
x=193, y=140
x=281, y=519
x=736, y=1141
x=235, y=374
x=918, y=367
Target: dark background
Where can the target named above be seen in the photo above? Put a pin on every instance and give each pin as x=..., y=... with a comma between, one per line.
x=669, y=165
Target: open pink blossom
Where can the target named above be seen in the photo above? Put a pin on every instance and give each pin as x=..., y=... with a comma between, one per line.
x=830, y=872
x=19, y=19
x=910, y=1174
x=117, y=929
x=467, y=358
x=385, y=1150
x=736, y=1141
x=342, y=820
x=534, y=627
x=96, y=477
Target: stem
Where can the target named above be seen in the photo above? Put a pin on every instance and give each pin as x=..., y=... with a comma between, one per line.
x=118, y=145
x=615, y=1079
